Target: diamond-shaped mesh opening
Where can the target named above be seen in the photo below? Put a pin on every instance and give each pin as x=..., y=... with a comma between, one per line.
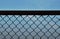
x=29, y=26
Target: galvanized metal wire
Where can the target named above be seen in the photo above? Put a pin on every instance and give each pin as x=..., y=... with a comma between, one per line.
x=29, y=26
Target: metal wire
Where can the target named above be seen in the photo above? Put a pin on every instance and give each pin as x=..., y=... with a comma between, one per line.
x=29, y=26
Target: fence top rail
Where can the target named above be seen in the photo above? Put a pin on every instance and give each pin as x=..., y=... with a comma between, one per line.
x=29, y=12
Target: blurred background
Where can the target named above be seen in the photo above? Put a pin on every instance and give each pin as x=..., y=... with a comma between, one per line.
x=30, y=4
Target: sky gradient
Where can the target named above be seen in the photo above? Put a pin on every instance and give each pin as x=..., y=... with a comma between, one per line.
x=30, y=4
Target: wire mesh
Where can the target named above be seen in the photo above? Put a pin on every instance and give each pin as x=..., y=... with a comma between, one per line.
x=29, y=26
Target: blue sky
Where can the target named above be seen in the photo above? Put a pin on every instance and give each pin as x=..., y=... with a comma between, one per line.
x=30, y=4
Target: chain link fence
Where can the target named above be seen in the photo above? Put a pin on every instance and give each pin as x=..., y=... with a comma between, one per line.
x=29, y=26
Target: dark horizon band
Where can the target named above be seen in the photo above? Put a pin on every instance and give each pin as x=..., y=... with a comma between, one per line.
x=29, y=12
